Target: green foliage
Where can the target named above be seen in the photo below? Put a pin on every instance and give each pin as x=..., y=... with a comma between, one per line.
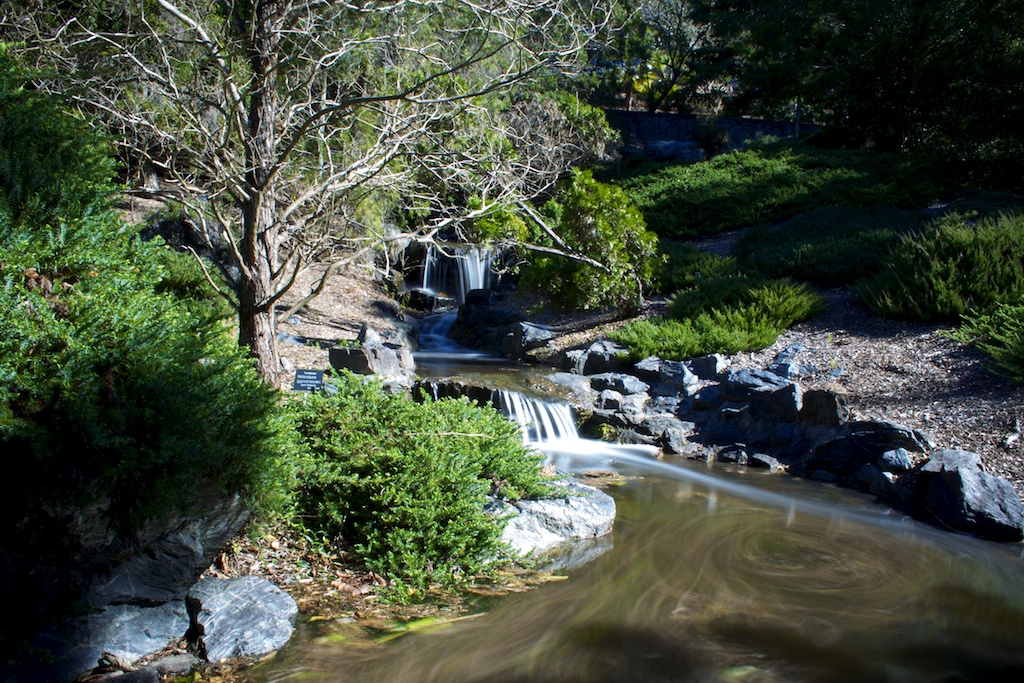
x=685, y=266
x=184, y=278
x=828, y=247
x=405, y=483
x=955, y=266
x=718, y=309
x=1000, y=334
x=751, y=317
x=599, y=221
x=768, y=182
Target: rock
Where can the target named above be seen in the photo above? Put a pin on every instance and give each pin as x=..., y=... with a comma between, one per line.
x=601, y=356
x=609, y=400
x=896, y=460
x=677, y=374
x=128, y=632
x=824, y=408
x=368, y=336
x=176, y=665
x=173, y=561
x=673, y=150
x=777, y=405
x=736, y=453
x=649, y=368
x=577, y=385
x=709, y=367
x=784, y=364
x=244, y=617
x=429, y=302
x=617, y=381
x=708, y=398
x=953, y=490
x=575, y=554
x=859, y=444
x=526, y=337
x=740, y=385
x=453, y=388
x=669, y=433
x=393, y=363
x=583, y=512
x=765, y=461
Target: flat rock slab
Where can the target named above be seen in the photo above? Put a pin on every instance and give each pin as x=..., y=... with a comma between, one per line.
x=582, y=512
x=244, y=617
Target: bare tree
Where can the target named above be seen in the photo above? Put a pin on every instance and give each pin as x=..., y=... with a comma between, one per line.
x=277, y=123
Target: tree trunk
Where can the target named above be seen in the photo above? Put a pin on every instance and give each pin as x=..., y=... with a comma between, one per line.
x=259, y=243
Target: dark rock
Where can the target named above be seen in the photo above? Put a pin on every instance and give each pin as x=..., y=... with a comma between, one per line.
x=480, y=297
x=617, y=381
x=669, y=433
x=791, y=369
x=736, y=454
x=709, y=367
x=824, y=408
x=649, y=368
x=740, y=385
x=526, y=337
x=145, y=675
x=858, y=444
x=662, y=404
x=824, y=476
x=429, y=302
x=244, y=617
x=883, y=436
x=778, y=405
x=453, y=388
x=677, y=374
x=708, y=398
x=765, y=461
x=953, y=491
x=896, y=460
x=172, y=562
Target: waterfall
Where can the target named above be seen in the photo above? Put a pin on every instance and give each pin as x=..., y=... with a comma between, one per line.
x=541, y=421
x=456, y=271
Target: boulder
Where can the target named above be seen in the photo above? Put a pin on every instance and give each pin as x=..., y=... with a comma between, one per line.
x=859, y=444
x=955, y=492
x=578, y=387
x=740, y=385
x=581, y=512
x=823, y=408
x=896, y=460
x=244, y=617
x=668, y=433
x=765, y=461
x=453, y=388
x=777, y=405
x=173, y=561
x=609, y=399
x=709, y=367
x=785, y=364
x=617, y=381
x=601, y=356
x=525, y=337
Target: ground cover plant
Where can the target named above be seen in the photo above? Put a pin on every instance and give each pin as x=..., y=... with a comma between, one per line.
x=828, y=247
x=405, y=484
x=770, y=181
x=959, y=265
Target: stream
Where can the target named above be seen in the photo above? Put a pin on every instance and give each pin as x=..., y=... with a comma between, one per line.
x=712, y=573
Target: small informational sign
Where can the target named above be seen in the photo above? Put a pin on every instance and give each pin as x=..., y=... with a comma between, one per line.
x=308, y=380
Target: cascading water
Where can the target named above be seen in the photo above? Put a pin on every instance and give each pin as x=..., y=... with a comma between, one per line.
x=541, y=421
x=456, y=271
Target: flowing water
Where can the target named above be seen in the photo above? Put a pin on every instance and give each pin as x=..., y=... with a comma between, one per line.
x=718, y=575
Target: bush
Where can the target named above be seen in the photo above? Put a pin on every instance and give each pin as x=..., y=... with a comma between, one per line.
x=953, y=267
x=771, y=181
x=406, y=483
x=727, y=315
x=829, y=247
x=685, y=266
x=1001, y=335
x=115, y=399
x=599, y=221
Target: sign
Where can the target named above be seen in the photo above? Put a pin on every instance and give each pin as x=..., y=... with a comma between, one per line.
x=308, y=380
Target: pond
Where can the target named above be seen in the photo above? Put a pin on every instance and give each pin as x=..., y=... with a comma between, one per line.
x=714, y=574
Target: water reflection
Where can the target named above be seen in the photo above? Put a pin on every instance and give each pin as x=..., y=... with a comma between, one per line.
x=706, y=586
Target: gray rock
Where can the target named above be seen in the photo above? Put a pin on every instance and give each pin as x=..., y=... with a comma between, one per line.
x=244, y=617
x=859, y=444
x=582, y=512
x=173, y=561
x=526, y=337
x=649, y=368
x=740, y=385
x=677, y=374
x=669, y=433
x=176, y=665
x=896, y=460
x=609, y=400
x=617, y=381
x=368, y=336
x=577, y=385
x=791, y=369
x=709, y=367
x=736, y=454
x=953, y=491
x=601, y=356
x=708, y=398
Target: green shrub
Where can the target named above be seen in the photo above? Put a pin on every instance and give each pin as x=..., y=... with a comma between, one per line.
x=743, y=315
x=829, y=247
x=405, y=483
x=600, y=222
x=1001, y=335
x=114, y=397
x=771, y=181
x=685, y=265
x=955, y=266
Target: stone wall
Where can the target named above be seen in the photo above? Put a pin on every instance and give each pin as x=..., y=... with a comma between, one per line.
x=663, y=135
